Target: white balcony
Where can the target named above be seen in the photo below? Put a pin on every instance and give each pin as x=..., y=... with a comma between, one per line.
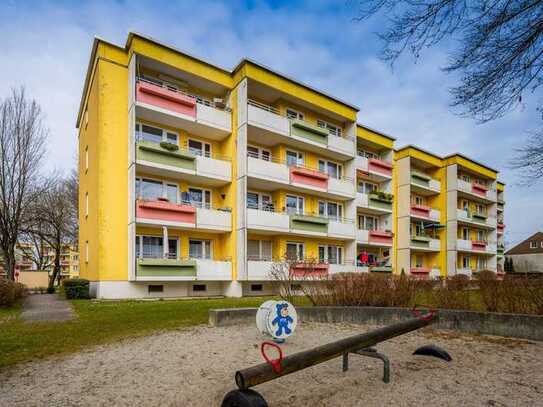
x=212, y=270
x=361, y=200
x=213, y=220
x=342, y=145
x=424, y=184
x=362, y=236
x=435, y=214
x=267, y=221
x=268, y=174
x=342, y=187
x=341, y=230
x=208, y=122
x=259, y=270
x=341, y=268
x=268, y=120
x=269, y=127
x=462, y=244
x=372, y=203
x=464, y=271
x=435, y=244
x=483, y=221
x=473, y=191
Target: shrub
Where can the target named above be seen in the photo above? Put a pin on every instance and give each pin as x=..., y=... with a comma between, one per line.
x=50, y=290
x=76, y=288
x=11, y=292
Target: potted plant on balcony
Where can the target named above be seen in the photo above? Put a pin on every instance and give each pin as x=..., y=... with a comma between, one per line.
x=169, y=146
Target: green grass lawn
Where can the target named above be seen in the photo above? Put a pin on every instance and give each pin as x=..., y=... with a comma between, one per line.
x=101, y=323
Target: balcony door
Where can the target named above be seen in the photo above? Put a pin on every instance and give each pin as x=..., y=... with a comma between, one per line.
x=200, y=249
x=257, y=200
x=295, y=251
x=200, y=148
x=331, y=210
x=465, y=234
x=295, y=205
x=366, y=222
x=153, y=247
x=365, y=187
x=334, y=170
x=295, y=158
x=201, y=198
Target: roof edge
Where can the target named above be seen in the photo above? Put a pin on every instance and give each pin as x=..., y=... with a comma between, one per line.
x=473, y=161
x=376, y=131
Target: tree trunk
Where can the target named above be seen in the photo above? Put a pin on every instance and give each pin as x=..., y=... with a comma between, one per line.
x=56, y=267
x=9, y=260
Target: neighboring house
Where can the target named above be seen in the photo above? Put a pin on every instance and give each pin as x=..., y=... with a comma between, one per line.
x=194, y=179
x=527, y=256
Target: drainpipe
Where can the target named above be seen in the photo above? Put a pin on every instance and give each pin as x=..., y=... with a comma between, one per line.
x=165, y=241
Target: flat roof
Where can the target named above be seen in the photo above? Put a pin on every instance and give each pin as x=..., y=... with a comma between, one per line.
x=239, y=65
x=472, y=160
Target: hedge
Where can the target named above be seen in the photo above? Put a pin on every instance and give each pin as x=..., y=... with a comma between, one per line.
x=10, y=292
x=75, y=288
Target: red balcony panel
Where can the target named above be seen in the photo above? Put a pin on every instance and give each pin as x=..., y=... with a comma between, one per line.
x=380, y=236
x=421, y=272
x=168, y=211
x=308, y=177
x=420, y=210
x=380, y=166
x=158, y=96
x=309, y=270
x=478, y=245
x=479, y=189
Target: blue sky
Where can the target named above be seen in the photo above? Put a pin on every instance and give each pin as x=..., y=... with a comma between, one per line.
x=45, y=46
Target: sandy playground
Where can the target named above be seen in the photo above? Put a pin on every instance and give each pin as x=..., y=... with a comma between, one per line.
x=195, y=367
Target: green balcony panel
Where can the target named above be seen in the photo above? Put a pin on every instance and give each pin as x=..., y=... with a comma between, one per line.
x=309, y=223
x=376, y=202
x=166, y=268
x=309, y=131
x=479, y=217
x=420, y=241
x=153, y=152
x=420, y=179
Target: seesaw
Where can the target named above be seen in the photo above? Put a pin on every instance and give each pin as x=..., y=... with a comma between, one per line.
x=361, y=344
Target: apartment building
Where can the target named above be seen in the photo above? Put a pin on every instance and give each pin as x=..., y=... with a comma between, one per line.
x=195, y=180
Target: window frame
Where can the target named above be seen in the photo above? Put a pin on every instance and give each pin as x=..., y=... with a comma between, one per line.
x=204, y=153
x=204, y=250
x=326, y=169
x=260, y=153
x=333, y=129
x=300, y=158
x=533, y=244
x=204, y=190
x=298, y=200
x=298, y=246
x=164, y=132
x=299, y=115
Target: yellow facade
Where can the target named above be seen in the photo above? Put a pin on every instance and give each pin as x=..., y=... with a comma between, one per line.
x=354, y=196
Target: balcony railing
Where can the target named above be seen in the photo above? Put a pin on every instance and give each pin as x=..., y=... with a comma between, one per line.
x=299, y=175
x=425, y=181
x=271, y=119
x=373, y=165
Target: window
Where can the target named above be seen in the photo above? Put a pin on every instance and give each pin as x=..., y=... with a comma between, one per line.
x=261, y=201
x=331, y=254
x=151, y=189
x=533, y=244
x=333, y=169
x=295, y=251
x=366, y=222
x=256, y=287
x=152, y=247
x=465, y=234
x=155, y=134
x=259, y=250
x=466, y=260
x=260, y=153
x=155, y=289
x=171, y=192
x=199, y=287
x=418, y=260
x=294, y=158
x=465, y=177
x=368, y=154
x=464, y=205
x=295, y=204
x=480, y=209
x=200, y=249
x=86, y=204
x=481, y=263
x=365, y=187
x=200, y=198
x=331, y=210
x=418, y=228
x=86, y=158
x=418, y=200
x=332, y=129
x=481, y=235
x=199, y=148
x=294, y=114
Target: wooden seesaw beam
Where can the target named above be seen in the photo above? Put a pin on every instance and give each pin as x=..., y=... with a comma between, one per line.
x=264, y=372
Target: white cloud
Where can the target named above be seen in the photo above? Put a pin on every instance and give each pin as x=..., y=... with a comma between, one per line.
x=46, y=47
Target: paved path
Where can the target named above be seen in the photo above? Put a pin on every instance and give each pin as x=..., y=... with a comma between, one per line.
x=47, y=307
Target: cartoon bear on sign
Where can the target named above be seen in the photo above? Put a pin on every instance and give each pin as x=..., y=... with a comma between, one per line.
x=282, y=320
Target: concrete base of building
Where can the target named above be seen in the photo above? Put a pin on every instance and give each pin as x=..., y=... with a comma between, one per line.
x=116, y=290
